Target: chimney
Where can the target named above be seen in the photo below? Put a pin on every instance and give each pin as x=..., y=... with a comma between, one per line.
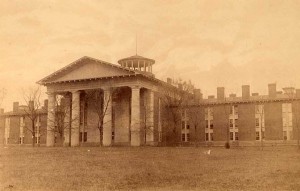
x=220, y=93
x=46, y=104
x=298, y=93
x=169, y=80
x=1, y=111
x=272, y=90
x=255, y=94
x=31, y=105
x=232, y=95
x=278, y=92
x=245, y=91
x=211, y=97
x=197, y=95
x=15, y=106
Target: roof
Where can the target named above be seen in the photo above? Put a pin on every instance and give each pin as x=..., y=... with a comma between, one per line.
x=136, y=57
x=84, y=60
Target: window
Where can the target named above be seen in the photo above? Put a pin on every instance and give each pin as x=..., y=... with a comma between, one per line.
x=231, y=123
x=187, y=126
x=159, y=136
x=257, y=137
x=21, y=140
x=206, y=111
x=183, y=137
x=236, y=109
x=236, y=136
x=211, y=124
x=236, y=122
x=206, y=137
x=187, y=137
x=37, y=140
x=182, y=125
x=256, y=122
x=231, y=136
x=206, y=122
x=231, y=110
x=284, y=135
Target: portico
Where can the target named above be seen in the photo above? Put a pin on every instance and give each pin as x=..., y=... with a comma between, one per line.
x=127, y=102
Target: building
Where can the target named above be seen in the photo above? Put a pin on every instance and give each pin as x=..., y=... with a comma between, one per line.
x=251, y=119
x=126, y=105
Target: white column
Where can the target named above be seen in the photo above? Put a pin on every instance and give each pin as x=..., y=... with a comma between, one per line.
x=107, y=119
x=67, y=120
x=150, y=117
x=51, y=120
x=38, y=125
x=75, y=118
x=135, y=117
x=7, y=129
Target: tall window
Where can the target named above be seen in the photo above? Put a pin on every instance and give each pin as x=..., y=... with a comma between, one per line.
x=259, y=122
x=209, y=124
x=233, y=123
x=185, y=127
x=287, y=120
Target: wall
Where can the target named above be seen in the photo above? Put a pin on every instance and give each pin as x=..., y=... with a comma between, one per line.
x=273, y=121
x=14, y=133
x=122, y=116
x=221, y=124
x=246, y=122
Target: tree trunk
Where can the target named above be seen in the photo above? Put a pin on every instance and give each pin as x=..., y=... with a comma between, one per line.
x=33, y=134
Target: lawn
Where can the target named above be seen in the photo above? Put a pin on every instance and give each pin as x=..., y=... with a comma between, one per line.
x=149, y=168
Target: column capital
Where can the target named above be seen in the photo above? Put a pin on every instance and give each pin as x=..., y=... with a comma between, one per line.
x=135, y=87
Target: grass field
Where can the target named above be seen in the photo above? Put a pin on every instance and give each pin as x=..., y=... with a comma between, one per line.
x=149, y=168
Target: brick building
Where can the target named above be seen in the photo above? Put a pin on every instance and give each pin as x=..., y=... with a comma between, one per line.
x=135, y=110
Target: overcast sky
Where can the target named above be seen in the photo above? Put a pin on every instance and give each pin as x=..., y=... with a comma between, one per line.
x=212, y=43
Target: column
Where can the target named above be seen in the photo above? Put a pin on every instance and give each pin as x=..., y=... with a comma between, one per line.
x=150, y=117
x=135, y=117
x=67, y=120
x=75, y=125
x=107, y=119
x=51, y=120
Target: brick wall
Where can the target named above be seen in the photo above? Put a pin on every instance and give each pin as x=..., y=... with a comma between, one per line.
x=296, y=119
x=246, y=122
x=221, y=118
x=273, y=121
x=2, y=129
x=14, y=133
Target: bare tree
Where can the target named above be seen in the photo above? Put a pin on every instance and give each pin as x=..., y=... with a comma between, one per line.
x=63, y=119
x=194, y=114
x=146, y=123
x=100, y=103
x=175, y=100
x=32, y=111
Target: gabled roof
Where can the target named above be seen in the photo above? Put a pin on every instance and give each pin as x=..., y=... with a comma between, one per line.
x=87, y=68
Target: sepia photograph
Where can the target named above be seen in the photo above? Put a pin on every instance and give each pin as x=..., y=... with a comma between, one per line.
x=150, y=95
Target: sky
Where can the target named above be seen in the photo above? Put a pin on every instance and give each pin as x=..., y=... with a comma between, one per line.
x=212, y=43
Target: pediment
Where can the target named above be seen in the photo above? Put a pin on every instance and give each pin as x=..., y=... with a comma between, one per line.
x=86, y=68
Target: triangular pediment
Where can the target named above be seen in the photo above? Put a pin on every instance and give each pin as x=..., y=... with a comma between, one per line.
x=86, y=68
